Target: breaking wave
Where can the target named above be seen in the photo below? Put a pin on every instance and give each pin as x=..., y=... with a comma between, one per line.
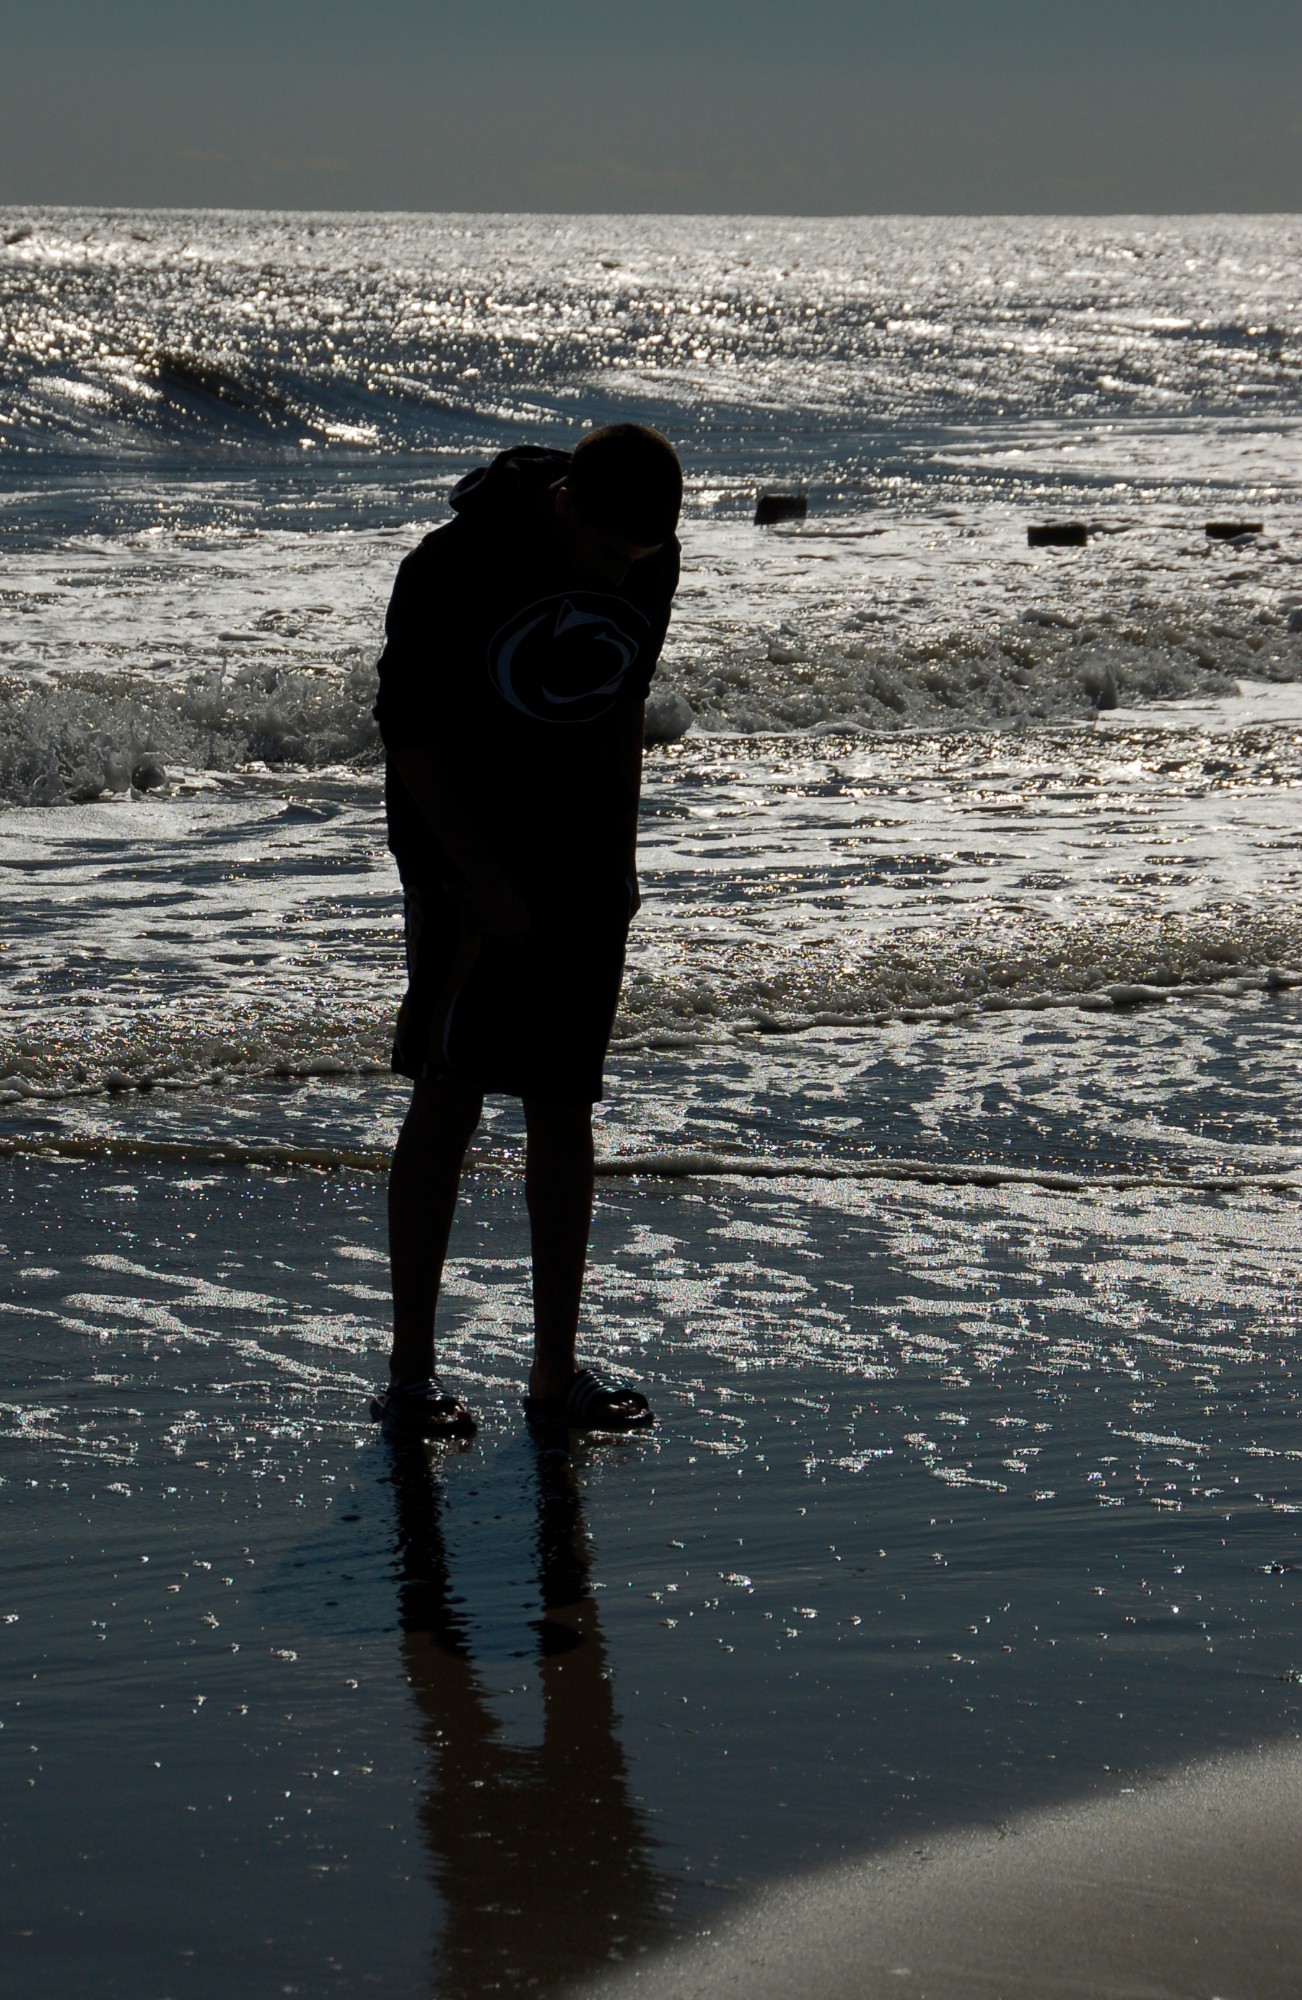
x=687, y=1001
x=1047, y=666
x=89, y=734
x=94, y=735
x=434, y=333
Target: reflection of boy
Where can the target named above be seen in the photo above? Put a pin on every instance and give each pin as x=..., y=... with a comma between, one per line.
x=521, y=641
x=547, y=1836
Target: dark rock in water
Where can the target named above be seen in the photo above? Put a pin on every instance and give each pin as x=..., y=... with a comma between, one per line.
x=1058, y=534
x=771, y=507
x=148, y=773
x=1229, y=531
x=18, y=235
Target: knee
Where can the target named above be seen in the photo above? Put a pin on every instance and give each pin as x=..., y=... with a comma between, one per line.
x=564, y=1126
x=444, y=1111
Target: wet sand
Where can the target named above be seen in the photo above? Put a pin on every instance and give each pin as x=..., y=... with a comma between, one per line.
x=1183, y=1886
x=966, y=1505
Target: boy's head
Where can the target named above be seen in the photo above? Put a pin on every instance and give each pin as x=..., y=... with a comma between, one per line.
x=620, y=499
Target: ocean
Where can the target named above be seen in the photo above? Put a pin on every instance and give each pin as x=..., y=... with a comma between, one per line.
x=950, y=1155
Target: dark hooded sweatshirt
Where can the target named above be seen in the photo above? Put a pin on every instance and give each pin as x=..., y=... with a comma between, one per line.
x=518, y=672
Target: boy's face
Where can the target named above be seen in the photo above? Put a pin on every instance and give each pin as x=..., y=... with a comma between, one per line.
x=599, y=554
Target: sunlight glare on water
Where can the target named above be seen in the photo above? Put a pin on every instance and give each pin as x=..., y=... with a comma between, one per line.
x=948, y=1167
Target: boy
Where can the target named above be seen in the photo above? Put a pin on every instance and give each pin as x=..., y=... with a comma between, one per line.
x=521, y=641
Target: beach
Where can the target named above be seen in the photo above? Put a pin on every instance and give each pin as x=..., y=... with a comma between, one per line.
x=1184, y=1885
x=952, y=1517
x=942, y=1636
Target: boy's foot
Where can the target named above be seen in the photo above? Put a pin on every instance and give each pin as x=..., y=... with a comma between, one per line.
x=590, y=1405
x=421, y=1409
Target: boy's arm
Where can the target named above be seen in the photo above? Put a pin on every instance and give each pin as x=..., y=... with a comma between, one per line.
x=494, y=902
x=666, y=566
x=409, y=715
x=629, y=758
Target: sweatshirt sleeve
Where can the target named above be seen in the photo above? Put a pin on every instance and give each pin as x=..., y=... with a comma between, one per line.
x=667, y=565
x=407, y=707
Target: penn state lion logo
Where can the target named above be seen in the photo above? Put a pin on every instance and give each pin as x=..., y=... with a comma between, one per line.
x=566, y=659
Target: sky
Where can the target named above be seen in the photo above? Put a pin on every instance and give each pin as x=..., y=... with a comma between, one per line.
x=813, y=107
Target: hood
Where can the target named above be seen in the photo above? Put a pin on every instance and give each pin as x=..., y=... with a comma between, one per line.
x=513, y=484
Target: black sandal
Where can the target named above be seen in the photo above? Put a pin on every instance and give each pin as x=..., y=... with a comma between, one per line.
x=421, y=1409
x=590, y=1405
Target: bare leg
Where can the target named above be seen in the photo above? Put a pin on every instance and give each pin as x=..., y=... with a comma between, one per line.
x=558, y=1188
x=423, y=1182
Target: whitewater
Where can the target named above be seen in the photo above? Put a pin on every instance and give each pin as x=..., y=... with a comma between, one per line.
x=221, y=432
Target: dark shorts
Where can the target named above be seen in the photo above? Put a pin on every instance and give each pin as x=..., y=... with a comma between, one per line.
x=526, y=1016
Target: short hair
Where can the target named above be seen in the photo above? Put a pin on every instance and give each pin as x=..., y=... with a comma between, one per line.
x=626, y=479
